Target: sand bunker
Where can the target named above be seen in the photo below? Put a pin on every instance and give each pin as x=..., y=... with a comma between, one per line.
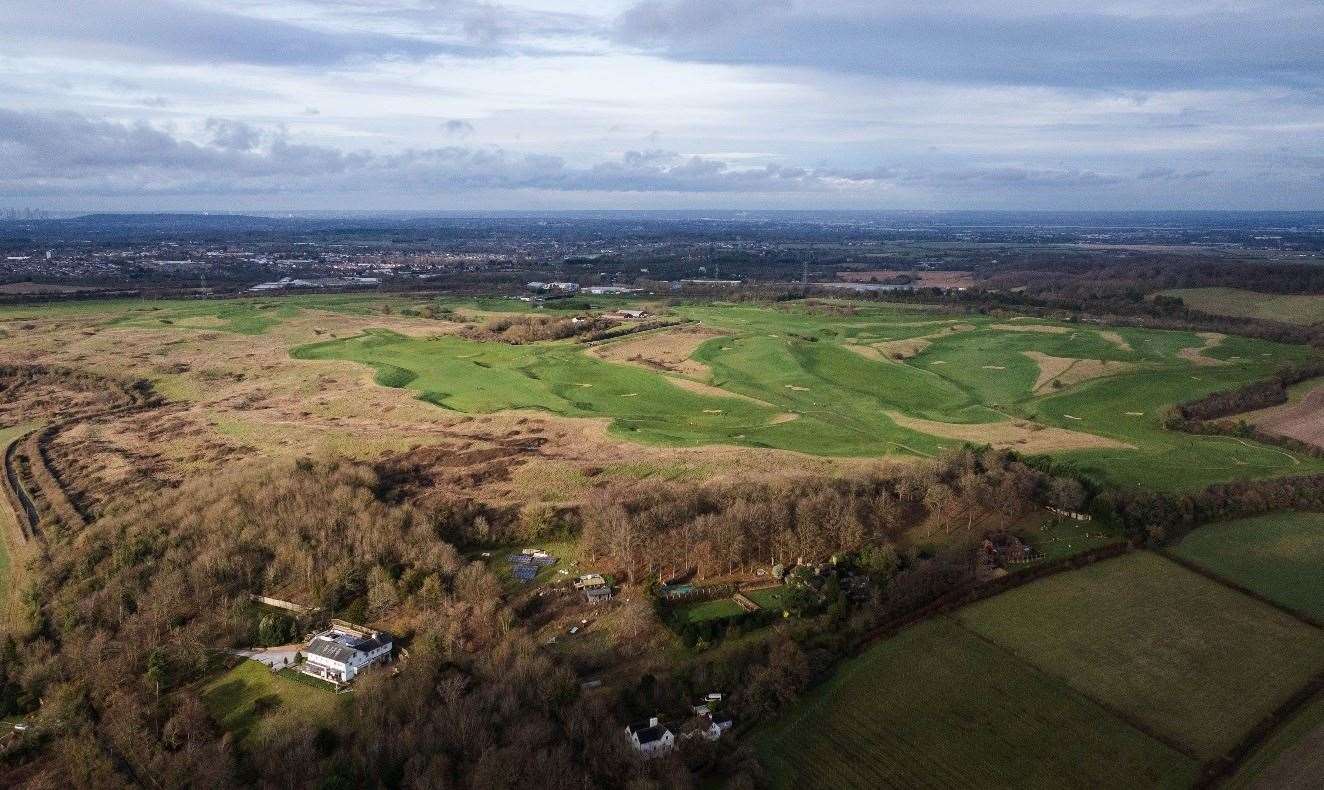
x=1048, y=330
x=1197, y=356
x=1017, y=435
x=909, y=347
x=668, y=350
x=1068, y=370
x=1116, y=340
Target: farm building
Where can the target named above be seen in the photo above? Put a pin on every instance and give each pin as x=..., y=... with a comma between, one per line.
x=339, y=653
x=708, y=726
x=597, y=594
x=650, y=738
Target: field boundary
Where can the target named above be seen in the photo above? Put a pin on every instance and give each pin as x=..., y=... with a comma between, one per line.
x=1219, y=769
x=1196, y=568
x=1121, y=715
x=959, y=598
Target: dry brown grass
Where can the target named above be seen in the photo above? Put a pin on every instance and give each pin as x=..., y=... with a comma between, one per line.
x=238, y=396
x=1197, y=355
x=1116, y=339
x=1043, y=328
x=1013, y=434
x=1068, y=370
x=668, y=350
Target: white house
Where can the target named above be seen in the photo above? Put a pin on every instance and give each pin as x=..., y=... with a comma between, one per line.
x=651, y=738
x=341, y=652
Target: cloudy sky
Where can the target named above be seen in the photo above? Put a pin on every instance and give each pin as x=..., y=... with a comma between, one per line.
x=453, y=104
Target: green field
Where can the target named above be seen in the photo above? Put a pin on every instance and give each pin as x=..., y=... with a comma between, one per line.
x=718, y=609
x=769, y=597
x=1280, y=556
x=936, y=706
x=1288, y=308
x=1189, y=658
x=1293, y=757
x=232, y=700
x=815, y=378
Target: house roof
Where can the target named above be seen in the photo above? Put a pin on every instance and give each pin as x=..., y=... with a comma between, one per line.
x=651, y=734
x=341, y=647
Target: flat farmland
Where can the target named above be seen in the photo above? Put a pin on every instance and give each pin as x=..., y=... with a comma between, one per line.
x=937, y=706
x=1280, y=556
x=1183, y=656
x=1288, y=308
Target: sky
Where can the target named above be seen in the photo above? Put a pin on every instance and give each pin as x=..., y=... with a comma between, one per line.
x=180, y=105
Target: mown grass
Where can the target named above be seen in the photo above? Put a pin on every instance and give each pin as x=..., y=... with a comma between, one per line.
x=936, y=706
x=1280, y=556
x=718, y=609
x=245, y=700
x=1186, y=656
x=1288, y=308
x=769, y=597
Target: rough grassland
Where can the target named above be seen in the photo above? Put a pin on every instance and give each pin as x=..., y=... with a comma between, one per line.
x=783, y=377
x=231, y=700
x=1190, y=658
x=1280, y=556
x=936, y=706
x=1288, y=308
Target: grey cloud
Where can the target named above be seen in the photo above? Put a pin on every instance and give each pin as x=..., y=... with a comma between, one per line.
x=955, y=42
x=233, y=135
x=1169, y=174
x=69, y=154
x=457, y=128
x=177, y=31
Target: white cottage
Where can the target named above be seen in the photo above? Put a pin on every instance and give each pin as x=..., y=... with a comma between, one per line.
x=651, y=738
x=340, y=653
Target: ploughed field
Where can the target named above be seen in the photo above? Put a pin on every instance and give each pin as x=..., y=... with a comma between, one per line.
x=829, y=378
x=1130, y=672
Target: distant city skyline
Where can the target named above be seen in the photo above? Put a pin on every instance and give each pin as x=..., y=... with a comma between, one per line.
x=142, y=105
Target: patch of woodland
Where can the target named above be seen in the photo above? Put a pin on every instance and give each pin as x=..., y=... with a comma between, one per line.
x=128, y=616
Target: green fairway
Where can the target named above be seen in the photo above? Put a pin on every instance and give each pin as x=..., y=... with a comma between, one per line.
x=936, y=706
x=809, y=386
x=243, y=699
x=1190, y=658
x=1288, y=308
x=1280, y=556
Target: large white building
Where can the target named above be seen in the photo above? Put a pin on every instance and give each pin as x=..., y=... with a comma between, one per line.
x=341, y=652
